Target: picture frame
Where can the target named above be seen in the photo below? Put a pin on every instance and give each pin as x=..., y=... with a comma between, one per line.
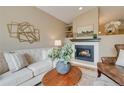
x=85, y=31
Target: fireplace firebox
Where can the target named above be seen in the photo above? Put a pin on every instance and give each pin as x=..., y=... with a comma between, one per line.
x=84, y=52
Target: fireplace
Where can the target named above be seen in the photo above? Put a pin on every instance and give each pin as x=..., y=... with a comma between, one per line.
x=84, y=52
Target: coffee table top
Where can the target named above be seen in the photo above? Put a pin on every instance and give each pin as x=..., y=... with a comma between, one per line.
x=53, y=78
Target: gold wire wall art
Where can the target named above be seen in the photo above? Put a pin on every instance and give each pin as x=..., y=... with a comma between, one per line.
x=24, y=32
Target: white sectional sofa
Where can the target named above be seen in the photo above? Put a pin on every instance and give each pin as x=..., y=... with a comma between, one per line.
x=32, y=74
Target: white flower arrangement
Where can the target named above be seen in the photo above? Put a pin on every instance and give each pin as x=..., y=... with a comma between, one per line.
x=63, y=54
x=112, y=26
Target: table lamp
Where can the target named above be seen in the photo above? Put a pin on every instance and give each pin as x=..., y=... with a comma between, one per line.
x=57, y=43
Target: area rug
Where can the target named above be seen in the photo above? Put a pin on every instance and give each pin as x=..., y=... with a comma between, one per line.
x=89, y=78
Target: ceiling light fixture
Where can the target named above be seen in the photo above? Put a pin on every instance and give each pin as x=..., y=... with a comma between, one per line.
x=80, y=8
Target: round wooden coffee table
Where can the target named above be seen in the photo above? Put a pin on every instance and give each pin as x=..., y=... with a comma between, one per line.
x=53, y=78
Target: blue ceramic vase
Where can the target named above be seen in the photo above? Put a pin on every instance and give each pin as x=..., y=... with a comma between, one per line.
x=63, y=68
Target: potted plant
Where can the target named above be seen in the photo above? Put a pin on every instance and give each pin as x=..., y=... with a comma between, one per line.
x=63, y=55
x=95, y=36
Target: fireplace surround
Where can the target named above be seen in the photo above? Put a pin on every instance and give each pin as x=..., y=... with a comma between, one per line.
x=90, y=52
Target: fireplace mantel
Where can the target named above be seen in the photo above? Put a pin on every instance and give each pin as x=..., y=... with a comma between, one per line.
x=86, y=40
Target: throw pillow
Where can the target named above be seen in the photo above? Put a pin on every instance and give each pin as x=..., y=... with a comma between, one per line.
x=28, y=58
x=120, y=60
x=44, y=53
x=15, y=61
x=3, y=65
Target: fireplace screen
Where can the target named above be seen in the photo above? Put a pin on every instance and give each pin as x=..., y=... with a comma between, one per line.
x=84, y=52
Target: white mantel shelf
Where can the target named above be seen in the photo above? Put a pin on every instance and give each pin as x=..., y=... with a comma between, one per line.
x=86, y=40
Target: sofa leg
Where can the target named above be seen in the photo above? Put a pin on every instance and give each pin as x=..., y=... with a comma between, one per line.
x=99, y=73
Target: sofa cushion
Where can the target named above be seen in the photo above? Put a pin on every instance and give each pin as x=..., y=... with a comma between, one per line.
x=34, y=55
x=3, y=65
x=120, y=60
x=16, y=78
x=40, y=67
x=15, y=61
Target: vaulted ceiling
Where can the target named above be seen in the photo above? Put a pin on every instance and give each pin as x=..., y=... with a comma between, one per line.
x=65, y=13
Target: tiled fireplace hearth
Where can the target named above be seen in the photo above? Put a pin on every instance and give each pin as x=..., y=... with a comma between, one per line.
x=86, y=51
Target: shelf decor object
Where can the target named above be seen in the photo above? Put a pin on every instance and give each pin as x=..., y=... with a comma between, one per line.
x=85, y=31
x=24, y=32
x=69, y=31
x=112, y=27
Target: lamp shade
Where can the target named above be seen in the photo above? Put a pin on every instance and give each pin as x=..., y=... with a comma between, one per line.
x=57, y=43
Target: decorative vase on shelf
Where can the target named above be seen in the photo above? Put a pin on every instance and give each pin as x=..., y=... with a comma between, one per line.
x=94, y=36
x=63, y=68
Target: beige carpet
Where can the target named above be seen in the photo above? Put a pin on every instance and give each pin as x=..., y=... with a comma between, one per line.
x=89, y=78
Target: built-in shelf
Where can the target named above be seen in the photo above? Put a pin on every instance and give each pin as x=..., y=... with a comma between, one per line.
x=86, y=40
x=69, y=31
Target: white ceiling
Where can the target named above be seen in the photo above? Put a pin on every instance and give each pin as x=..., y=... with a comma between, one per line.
x=65, y=13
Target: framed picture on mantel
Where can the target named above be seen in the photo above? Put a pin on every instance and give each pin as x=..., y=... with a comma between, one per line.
x=85, y=31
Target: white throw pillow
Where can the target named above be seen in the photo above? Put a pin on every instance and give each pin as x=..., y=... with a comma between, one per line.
x=15, y=61
x=44, y=54
x=120, y=60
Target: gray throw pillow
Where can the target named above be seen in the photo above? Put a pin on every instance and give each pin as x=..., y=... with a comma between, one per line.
x=3, y=65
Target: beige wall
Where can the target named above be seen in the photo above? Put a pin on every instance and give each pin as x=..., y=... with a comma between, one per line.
x=106, y=14
x=50, y=27
x=107, y=44
x=109, y=13
x=88, y=18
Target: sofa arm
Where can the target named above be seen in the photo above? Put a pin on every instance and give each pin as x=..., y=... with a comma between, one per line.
x=109, y=60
